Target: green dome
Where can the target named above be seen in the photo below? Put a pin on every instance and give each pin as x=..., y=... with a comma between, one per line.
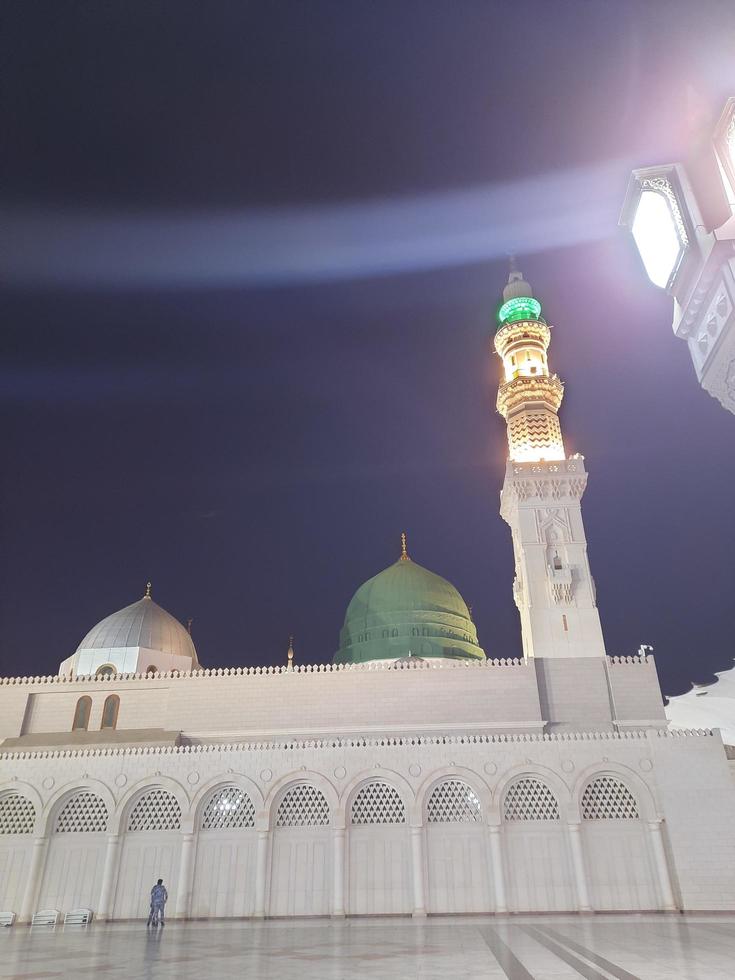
x=407, y=610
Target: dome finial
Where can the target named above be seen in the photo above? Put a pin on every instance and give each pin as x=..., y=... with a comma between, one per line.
x=148, y=587
x=404, y=553
x=290, y=653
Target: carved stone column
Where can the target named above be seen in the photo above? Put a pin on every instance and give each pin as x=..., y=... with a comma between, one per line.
x=417, y=872
x=662, y=866
x=109, y=877
x=576, y=849
x=186, y=873
x=496, y=865
x=35, y=877
x=261, y=868
x=338, y=867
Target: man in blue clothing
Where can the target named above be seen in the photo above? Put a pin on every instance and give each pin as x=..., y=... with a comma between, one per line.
x=159, y=897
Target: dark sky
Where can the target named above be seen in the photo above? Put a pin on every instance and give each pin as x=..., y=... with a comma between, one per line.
x=250, y=420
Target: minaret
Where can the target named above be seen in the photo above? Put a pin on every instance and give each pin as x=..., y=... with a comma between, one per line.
x=542, y=490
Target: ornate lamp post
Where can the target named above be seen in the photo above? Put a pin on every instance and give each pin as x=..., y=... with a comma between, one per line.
x=692, y=257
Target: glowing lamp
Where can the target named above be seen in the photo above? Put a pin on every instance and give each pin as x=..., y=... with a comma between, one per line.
x=653, y=213
x=519, y=308
x=655, y=234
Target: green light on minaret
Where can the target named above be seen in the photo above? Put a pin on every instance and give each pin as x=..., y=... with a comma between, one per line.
x=519, y=308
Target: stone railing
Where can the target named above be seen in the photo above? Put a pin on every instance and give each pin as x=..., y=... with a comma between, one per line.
x=357, y=742
x=258, y=671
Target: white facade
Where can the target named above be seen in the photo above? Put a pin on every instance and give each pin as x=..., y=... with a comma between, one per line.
x=394, y=786
x=376, y=819
x=372, y=826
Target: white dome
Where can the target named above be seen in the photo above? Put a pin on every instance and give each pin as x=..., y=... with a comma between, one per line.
x=137, y=639
x=142, y=624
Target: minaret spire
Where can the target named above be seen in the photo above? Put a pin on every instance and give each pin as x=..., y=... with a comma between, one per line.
x=529, y=397
x=553, y=586
x=404, y=552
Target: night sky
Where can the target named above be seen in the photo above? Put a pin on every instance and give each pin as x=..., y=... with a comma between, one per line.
x=251, y=262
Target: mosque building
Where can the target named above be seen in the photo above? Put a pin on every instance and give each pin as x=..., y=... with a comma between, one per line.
x=412, y=775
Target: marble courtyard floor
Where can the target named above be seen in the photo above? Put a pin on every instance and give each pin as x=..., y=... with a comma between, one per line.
x=553, y=947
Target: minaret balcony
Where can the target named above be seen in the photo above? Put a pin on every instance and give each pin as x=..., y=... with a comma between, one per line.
x=523, y=390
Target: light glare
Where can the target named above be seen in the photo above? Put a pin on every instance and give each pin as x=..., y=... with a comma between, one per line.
x=656, y=236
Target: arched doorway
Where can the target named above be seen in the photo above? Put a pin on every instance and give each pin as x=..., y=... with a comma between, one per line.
x=379, y=851
x=457, y=850
x=225, y=871
x=17, y=820
x=538, y=864
x=301, y=856
x=150, y=850
x=73, y=875
x=619, y=863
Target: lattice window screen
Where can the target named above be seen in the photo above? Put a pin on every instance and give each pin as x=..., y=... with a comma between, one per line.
x=530, y=799
x=303, y=806
x=157, y=810
x=84, y=813
x=377, y=803
x=608, y=799
x=453, y=801
x=228, y=809
x=17, y=815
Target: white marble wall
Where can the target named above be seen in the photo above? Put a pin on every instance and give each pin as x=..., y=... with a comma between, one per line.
x=665, y=857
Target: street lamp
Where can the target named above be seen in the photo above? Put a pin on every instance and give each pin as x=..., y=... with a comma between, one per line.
x=693, y=259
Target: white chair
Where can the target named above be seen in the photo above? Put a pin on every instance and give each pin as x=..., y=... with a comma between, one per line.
x=78, y=917
x=45, y=917
x=7, y=918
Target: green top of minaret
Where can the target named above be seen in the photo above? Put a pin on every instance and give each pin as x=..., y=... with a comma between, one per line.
x=518, y=300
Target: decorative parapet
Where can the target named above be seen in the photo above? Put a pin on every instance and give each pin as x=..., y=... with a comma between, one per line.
x=544, y=480
x=253, y=671
x=358, y=742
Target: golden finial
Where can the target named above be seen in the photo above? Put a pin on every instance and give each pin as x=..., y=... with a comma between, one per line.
x=404, y=553
x=290, y=653
x=148, y=587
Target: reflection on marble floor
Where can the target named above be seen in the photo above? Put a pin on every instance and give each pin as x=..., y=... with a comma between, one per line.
x=625, y=947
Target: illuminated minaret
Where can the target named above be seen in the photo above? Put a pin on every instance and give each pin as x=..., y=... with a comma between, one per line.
x=542, y=491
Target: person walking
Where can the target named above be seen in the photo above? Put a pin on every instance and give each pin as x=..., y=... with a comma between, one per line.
x=159, y=897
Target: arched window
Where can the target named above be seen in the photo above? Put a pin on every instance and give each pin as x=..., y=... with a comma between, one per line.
x=106, y=670
x=377, y=802
x=152, y=669
x=157, y=810
x=84, y=813
x=608, y=798
x=81, y=714
x=530, y=799
x=17, y=814
x=303, y=806
x=453, y=801
x=109, y=712
x=228, y=808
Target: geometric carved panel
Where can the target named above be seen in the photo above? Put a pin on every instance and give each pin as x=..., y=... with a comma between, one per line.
x=84, y=813
x=157, y=810
x=608, y=799
x=377, y=803
x=453, y=801
x=303, y=806
x=17, y=815
x=228, y=809
x=530, y=799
